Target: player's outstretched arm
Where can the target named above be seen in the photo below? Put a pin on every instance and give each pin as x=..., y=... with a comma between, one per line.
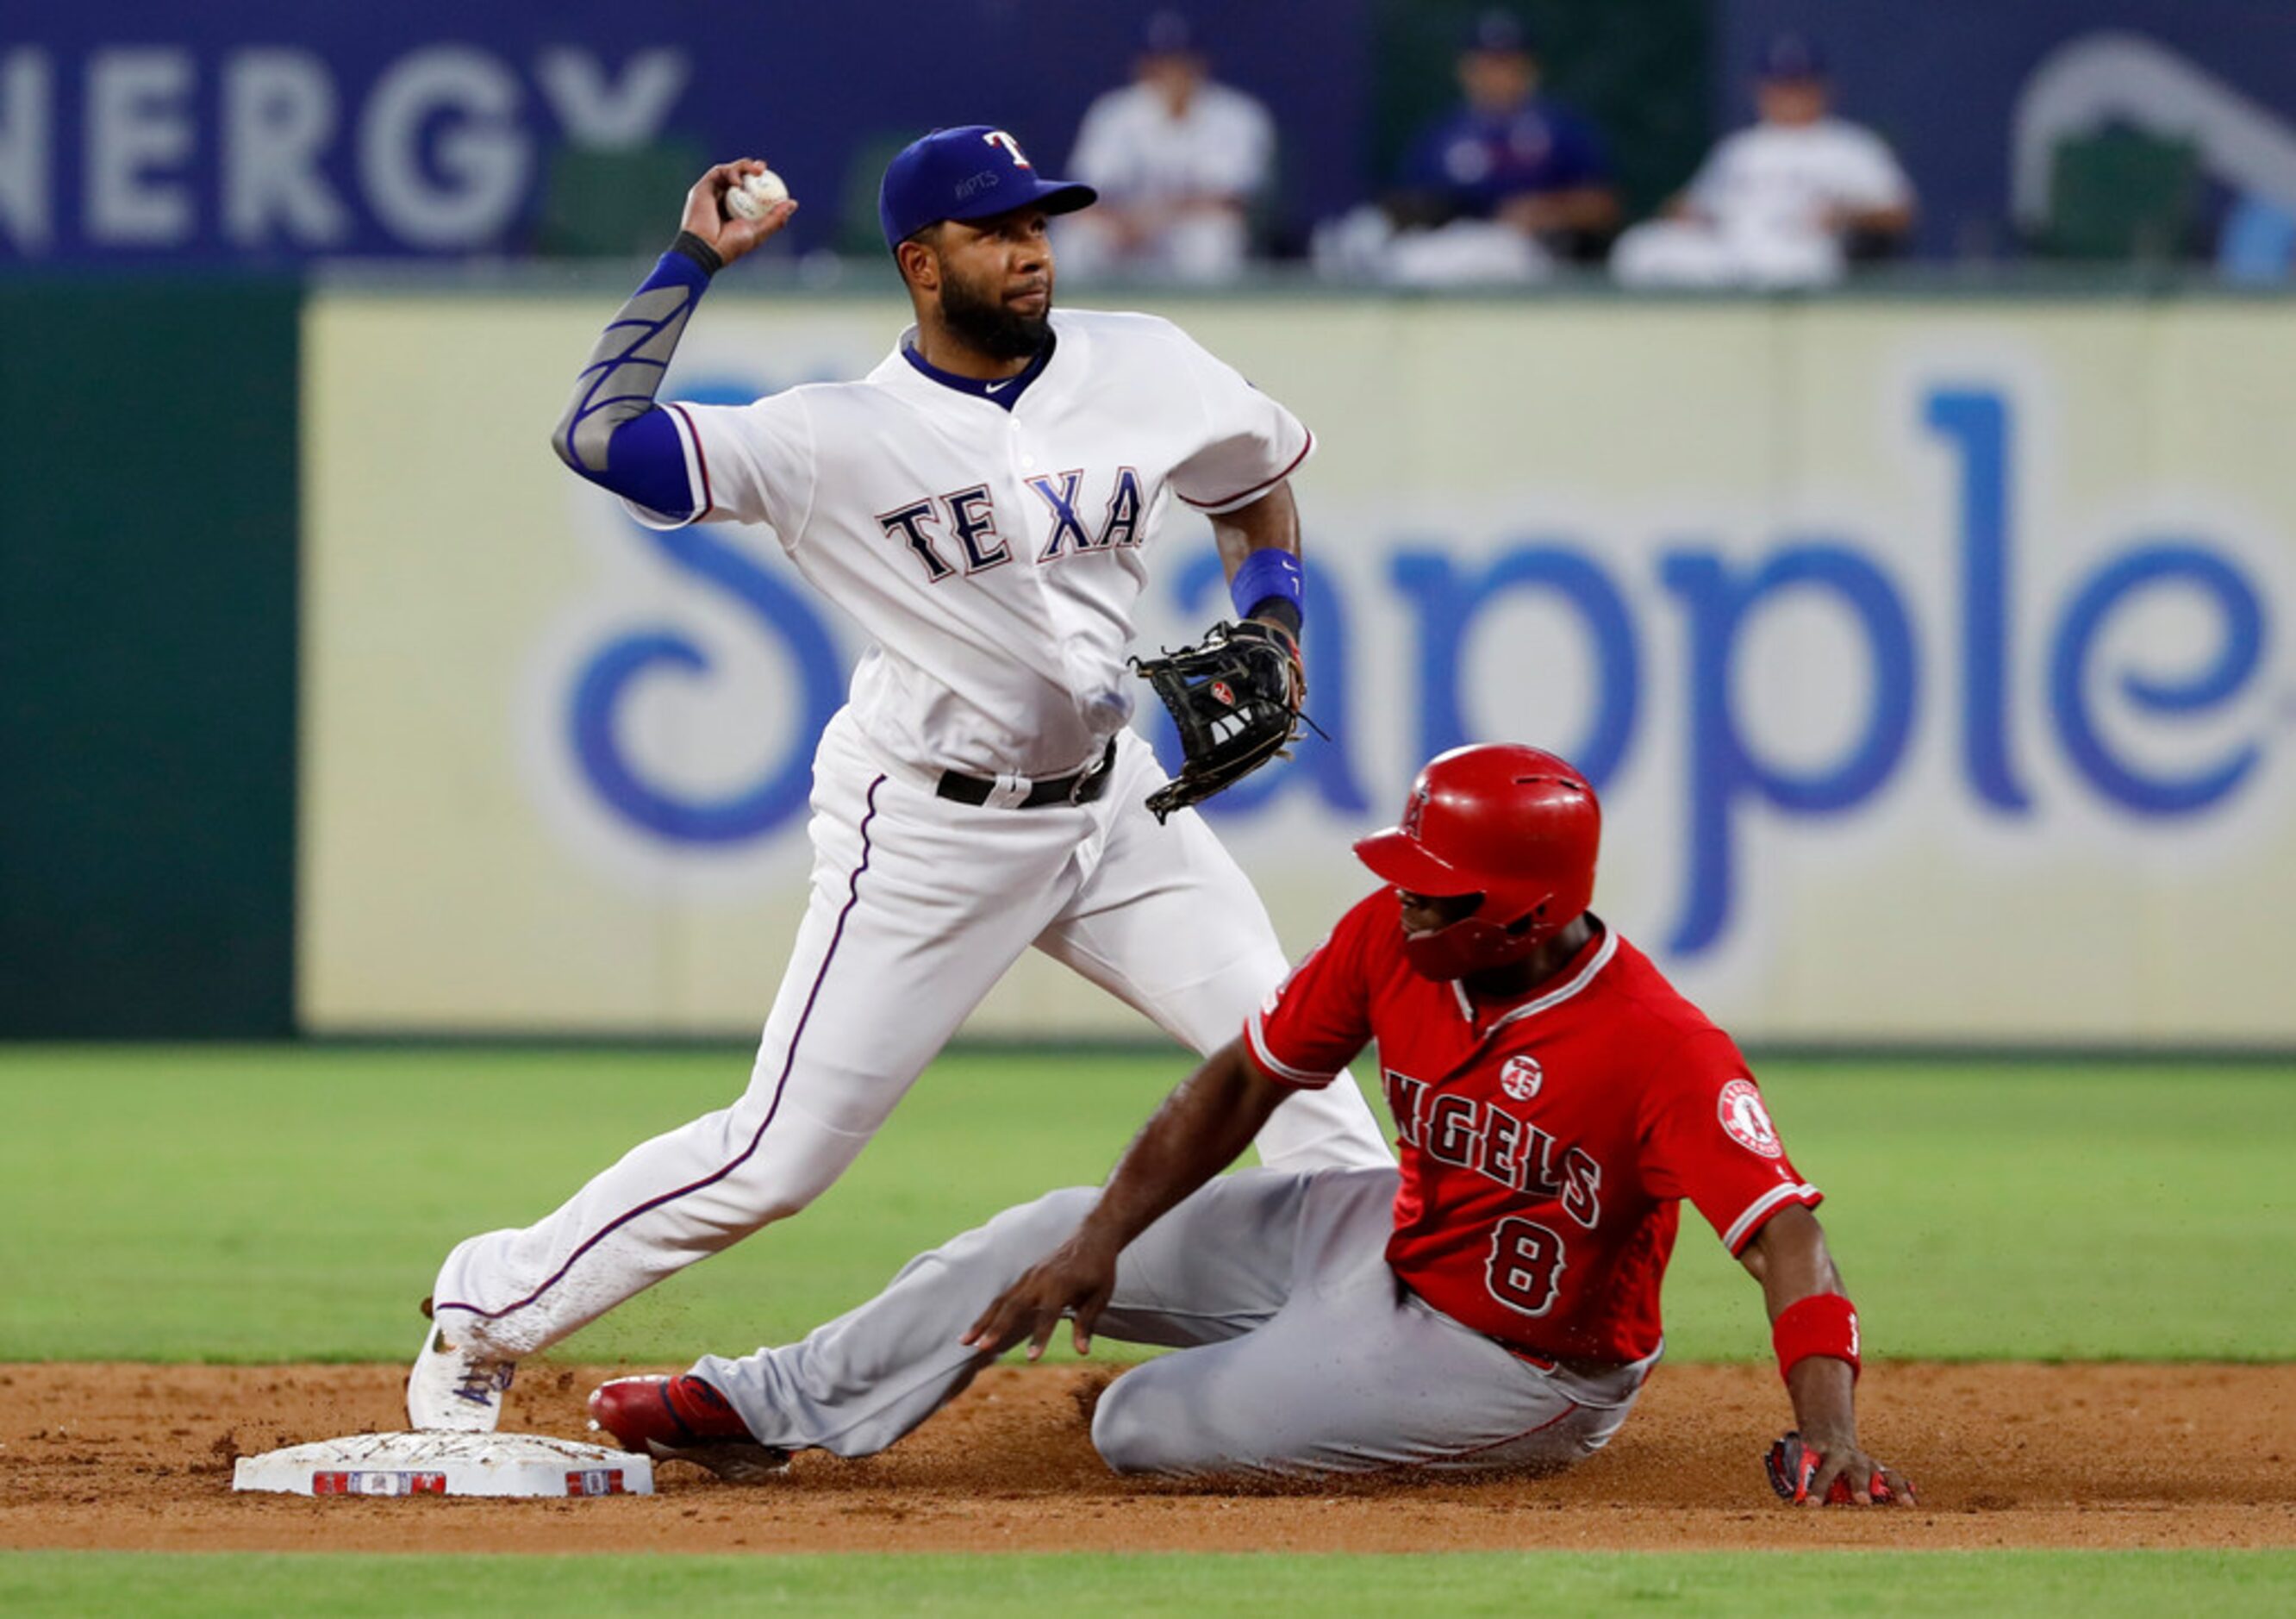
x=1816, y=1332
x=1197, y=1132
x=613, y=432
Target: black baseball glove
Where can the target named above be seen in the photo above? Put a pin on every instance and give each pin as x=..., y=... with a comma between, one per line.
x=1236, y=696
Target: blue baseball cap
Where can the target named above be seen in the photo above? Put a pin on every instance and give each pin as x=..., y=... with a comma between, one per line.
x=967, y=173
x=1169, y=34
x=1501, y=33
x=1791, y=58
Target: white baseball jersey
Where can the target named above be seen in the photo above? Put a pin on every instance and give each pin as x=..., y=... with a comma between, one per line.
x=1132, y=147
x=994, y=556
x=1776, y=179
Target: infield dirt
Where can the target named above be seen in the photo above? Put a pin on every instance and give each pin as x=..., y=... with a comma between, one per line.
x=134, y=1457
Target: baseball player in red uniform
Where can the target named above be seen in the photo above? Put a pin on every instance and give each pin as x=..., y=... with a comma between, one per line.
x=1494, y=1303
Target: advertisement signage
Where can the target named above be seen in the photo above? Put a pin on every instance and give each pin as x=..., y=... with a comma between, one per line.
x=143, y=132
x=1928, y=657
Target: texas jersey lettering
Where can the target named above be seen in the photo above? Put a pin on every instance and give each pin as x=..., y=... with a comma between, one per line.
x=968, y=516
x=992, y=548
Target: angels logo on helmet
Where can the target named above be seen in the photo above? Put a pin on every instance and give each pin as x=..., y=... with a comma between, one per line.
x=1415, y=810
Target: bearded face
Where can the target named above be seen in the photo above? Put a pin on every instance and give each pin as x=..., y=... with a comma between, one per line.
x=990, y=281
x=978, y=308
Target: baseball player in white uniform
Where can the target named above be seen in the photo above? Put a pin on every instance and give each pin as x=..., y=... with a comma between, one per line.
x=1178, y=160
x=983, y=504
x=1773, y=204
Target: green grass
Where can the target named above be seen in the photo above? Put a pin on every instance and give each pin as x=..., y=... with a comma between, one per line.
x=161, y=1203
x=2095, y=1585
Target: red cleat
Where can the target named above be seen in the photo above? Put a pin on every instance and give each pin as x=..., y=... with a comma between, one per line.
x=684, y=1419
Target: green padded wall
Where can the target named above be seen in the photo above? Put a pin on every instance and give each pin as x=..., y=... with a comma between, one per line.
x=147, y=658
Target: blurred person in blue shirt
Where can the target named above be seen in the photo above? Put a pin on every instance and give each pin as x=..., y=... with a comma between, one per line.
x=1510, y=154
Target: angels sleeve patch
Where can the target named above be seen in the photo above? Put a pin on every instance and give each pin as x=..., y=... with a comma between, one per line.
x=1746, y=1121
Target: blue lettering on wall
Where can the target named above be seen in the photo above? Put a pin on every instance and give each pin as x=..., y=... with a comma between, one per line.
x=612, y=671
x=2239, y=653
x=1976, y=423
x=1445, y=593
x=1718, y=605
x=609, y=674
x=1450, y=597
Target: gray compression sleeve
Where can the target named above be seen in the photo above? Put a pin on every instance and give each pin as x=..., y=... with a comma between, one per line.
x=624, y=370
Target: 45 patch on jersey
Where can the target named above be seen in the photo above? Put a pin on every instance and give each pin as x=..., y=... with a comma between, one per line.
x=962, y=531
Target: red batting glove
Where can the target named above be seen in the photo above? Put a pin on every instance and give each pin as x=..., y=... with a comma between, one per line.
x=1791, y=1464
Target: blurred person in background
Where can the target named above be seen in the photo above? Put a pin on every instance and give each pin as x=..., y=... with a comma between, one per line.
x=1496, y=190
x=1790, y=201
x=1179, y=162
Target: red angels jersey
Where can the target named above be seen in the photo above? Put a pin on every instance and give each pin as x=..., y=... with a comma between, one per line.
x=1545, y=1145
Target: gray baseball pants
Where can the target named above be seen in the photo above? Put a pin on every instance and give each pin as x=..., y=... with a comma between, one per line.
x=1300, y=1352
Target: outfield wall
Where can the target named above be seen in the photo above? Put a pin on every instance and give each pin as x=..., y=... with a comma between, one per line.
x=147, y=657
x=1929, y=655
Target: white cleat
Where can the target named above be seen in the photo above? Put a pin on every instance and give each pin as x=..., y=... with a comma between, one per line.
x=456, y=1390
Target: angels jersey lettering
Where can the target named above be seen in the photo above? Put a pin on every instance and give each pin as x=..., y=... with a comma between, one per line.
x=1545, y=1145
x=994, y=556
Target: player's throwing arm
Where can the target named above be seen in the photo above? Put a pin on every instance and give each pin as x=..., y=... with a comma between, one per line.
x=729, y=212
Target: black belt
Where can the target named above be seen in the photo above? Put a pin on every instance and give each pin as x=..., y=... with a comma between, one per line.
x=1081, y=788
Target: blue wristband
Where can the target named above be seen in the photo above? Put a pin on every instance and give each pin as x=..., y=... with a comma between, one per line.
x=1267, y=573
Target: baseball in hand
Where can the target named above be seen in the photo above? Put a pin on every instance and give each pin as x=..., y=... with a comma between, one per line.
x=754, y=195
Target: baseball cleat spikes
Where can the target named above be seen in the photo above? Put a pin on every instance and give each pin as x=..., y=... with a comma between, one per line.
x=682, y=1418
x=737, y=1461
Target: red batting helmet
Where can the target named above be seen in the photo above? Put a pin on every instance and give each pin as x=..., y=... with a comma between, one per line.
x=1513, y=824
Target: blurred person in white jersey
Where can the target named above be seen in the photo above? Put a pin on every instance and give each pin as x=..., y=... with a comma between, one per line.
x=1791, y=201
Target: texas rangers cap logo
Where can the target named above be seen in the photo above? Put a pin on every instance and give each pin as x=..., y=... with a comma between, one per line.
x=1520, y=1077
x=1746, y=1121
x=998, y=138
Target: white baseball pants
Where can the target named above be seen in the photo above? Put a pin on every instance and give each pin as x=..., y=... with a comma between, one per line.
x=1300, y=1352
x=918, y=906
